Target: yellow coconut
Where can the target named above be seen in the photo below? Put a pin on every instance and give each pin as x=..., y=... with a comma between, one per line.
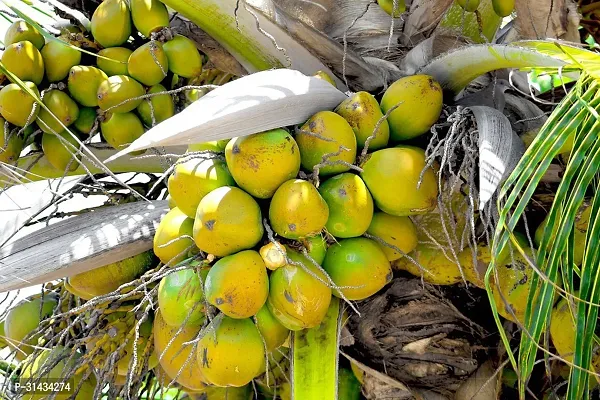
x=161, y=106
x=326, y=134
x=297, y=210
x=17, y=106
x=108, y=278
x=326, y=77
x=59, y=58
x=581, y=227
x=363, y=113
x=184, y=58
x=62, y=112
x=359, y=266
x=260, y=163
x=122, y=129
x=149, y=16
x=119, y=94
x=227, y=220
x=194, y=179
x=419, y=99
x=51, y=366
x=173, y=240
x=25, y=61
x=231, y=353
x=298, y=294
x=23, y=318
x=177, y=355
x=148, y=64
x=181, y=297
x=111, y=23
x=388, y=7
x=83, y=84
x=86, y=120
x=59, y=153
x=396, y=231
x=350, y=205
x=274, y=333
x=21, y=30
x=117, y=60
x=238, y=284
x=468, y=5
x=392, y=176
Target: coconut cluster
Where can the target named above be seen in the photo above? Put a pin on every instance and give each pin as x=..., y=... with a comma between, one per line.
x=284, y=220
x=115, y=81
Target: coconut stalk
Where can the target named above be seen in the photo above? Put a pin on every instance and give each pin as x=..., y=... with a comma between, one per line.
x=315, y=358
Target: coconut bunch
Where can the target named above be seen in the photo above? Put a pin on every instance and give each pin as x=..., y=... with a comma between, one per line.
x=127, y=74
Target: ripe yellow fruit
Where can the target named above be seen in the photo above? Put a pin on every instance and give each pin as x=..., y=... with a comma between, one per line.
x=60, y=106
x=468, y=5
x=162, y=106
x=23, y=318
x=111, y=23
x=392, y=176
x=260, y=163
x=440, y=268
x=388, y=7
x=120, y=55
x=17, y=106
x=11, y=144
x=169, y=244
x=184, y=58
x=274, y=333
x=59, y=154
x=25, y=61
x=20, y=31
x=149, y=16
x=83, y=84
x=238, y=284
x=513, y=284
x=363, y=114
x=122, y=129
x=52, y=366
x=580, y=231
x=419, y=99
x=86, y=120
x=231, y=353
x=100, y=281
x=227, y=220
x=296, y=297
x=181, y=297
x=397, y=231
x=148, y=64
x=120, y=92
x=297, y=210
x=339, y=139
x=359, y=265
x=350, y=205
x=326, y=77
x=430, y=226
x=562, y=333
x=176, y=356
x=194, y=179
x=503, y=8
x=59, y=58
